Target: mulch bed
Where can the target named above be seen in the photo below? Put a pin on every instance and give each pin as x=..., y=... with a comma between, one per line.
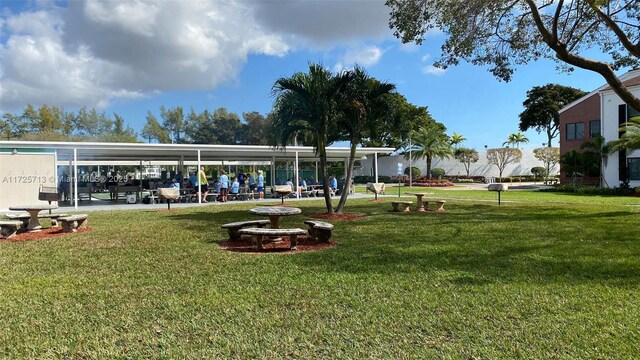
x=46, y=233
x=280, y=247
x=325, y=216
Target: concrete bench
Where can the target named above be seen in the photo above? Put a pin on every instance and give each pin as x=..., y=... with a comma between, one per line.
x=235, y=227
x=259, y=234
x=319, y=230
x=401, y=206
x=8, y=228
x=440, y=205
x=25, y=218
x=74, y=222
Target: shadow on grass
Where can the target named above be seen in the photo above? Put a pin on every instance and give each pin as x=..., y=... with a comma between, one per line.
x=468, y=244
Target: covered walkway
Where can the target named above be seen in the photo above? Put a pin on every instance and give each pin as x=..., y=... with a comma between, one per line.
x=74, y=154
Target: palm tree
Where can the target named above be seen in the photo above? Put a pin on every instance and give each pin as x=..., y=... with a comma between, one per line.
x=306, y=105
x=516, y=139
x=630, y=140
x=361, y=107
x=597, y=153
x=457, y=139
x=428, y=142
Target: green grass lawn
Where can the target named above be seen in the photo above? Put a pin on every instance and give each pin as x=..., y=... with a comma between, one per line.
x=545, y=275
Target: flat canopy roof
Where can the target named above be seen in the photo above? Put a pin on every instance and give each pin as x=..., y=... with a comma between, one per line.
x=99, y=152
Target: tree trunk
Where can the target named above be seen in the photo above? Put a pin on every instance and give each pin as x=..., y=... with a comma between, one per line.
x=325, y=179
x=429, y=167
x=347, y=182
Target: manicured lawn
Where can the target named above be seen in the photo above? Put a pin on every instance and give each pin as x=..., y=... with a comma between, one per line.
x=542, y=276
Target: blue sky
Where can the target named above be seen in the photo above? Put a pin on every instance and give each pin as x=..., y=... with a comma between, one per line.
x=133, y=57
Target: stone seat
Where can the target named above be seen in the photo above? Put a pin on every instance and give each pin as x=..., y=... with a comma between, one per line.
x=74, y=222
x=401, y=206
x=8, y=228
x=259, y=234
x=25, y=218
x=235, y=227
x=319, y=230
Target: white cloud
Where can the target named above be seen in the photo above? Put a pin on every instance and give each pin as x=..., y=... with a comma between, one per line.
x=89, y=53
x=425, y=57
x=432, y=70
x=364, y=56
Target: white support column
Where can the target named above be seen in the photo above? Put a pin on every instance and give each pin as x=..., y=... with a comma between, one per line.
x=75, y=178
x=296, y=184
x=139, y=183
x=317, y=172
x=375, y=161
x=70, y=180
x=198, y=179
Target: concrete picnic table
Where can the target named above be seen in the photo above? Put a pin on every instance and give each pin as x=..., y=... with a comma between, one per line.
x=419, y=203
x=275, y=212
x=33, y=210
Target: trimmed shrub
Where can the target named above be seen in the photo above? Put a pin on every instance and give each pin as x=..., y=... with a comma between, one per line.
x=538, y=171
x=415, y=172
x=437, y=173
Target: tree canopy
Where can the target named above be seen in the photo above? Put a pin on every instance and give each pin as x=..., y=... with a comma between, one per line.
x=505, y=34
x=542, y=106
x=306, y=107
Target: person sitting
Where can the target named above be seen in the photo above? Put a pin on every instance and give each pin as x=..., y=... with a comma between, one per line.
x=302, y=185
x=193, y=180
x=289, y=183
x=174, y=184
x=241, y=178
x=333, y=184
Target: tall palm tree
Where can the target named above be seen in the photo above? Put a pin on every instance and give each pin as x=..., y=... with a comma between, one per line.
x=306, y=104
x=516, y=139
x=361, y=108
x=428, y=142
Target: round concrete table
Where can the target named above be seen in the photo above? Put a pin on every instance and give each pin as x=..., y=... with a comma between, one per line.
x=275, y=212
x=33, y=210
x=419, y=203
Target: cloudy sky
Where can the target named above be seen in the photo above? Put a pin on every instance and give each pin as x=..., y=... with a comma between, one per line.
x=130, y=57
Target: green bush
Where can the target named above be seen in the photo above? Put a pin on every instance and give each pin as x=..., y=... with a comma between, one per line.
x=415, y=172
x=437, y=173
x=539, y=171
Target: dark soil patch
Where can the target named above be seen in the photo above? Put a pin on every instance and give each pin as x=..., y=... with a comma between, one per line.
x=325, y=216
x=378, y=201
x=41, y=235
x=280, y=247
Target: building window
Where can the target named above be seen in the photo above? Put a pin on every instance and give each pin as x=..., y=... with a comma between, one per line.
x=594, y=128
x=633, y=168
x=575, y=131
